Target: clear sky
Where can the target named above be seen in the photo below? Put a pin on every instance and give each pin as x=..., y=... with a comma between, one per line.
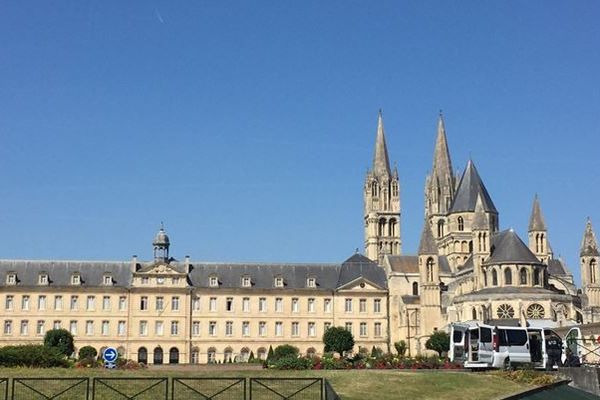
x=247, y=127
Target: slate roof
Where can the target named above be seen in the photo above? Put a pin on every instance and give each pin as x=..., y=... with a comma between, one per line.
x=60, y=272
x=327, y=276
x=507, y=247
x=427, y=244
x=557, y=267
x=469, y=187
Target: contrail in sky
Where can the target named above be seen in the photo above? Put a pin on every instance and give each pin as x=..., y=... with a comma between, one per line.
x=158, y=16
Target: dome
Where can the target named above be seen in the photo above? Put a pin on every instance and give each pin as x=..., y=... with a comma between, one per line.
x=161, y=238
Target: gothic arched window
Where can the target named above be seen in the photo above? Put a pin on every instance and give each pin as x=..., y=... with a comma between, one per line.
x=415, y=288
x=508, y=276
x=536, y=276
x=440, y=227
x=474, y=313
x=523, y=276
x=461, y=224
x=494, y=278
x=429, y=269
x=392, y=228
x=593, y=270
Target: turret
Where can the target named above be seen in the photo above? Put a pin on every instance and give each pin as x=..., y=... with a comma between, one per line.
x=481, y=231
x=381, y=203
x=161, y=245
x=588, y=256
x=537, y=232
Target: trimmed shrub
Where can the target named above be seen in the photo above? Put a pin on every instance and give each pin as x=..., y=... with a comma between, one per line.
x=293, y=362
x=400, y=347
x=270, y=354
x=87, y=352
x=32, y=355
x=338, y=339
x=60, y=339
x=285, y=350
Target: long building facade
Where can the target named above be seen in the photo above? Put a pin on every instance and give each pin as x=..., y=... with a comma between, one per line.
x=169, y=311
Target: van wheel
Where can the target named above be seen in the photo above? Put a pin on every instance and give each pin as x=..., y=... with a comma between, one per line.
x=507, y=364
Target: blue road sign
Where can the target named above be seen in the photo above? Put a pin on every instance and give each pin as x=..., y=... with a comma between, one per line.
x=110, y=355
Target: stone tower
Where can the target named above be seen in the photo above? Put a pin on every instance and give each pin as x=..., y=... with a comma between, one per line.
x=440, y=184
x=429, y=271
x=381, y=203
x=588, y=260
x=537, y=232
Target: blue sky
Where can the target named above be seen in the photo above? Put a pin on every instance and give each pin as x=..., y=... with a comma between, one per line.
x=247, y=127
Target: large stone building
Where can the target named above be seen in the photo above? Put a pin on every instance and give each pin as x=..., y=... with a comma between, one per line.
x=465, y=269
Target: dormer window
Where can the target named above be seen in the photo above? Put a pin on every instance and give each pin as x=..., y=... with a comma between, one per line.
x=311, y=282
x=107, y=280
x=11, y=278
x=279, y=281
x=213, y=281
x=43, y=278
x=246, y=281
x=75, y=279
x=144, y=280
x=175, y=281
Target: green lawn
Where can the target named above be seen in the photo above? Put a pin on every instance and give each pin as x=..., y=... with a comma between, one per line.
x=350, y=385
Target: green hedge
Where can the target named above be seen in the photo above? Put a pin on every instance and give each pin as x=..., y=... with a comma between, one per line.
x=32, y=355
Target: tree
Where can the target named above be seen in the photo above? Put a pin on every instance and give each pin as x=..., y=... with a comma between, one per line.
x=270, y=353
x=251, y=357
x=87, y=352
x=438, y=341
x=338, y=339
x=61, y=339
x=285, y=350
x=400, y=347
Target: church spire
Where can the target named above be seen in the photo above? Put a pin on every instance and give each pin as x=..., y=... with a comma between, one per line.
x=536, y=221
x=589, y=245
x=442, y=164
x=427, y=244
x=381, y=163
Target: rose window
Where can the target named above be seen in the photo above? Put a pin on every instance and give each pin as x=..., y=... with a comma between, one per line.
x=505, y=311
x=535, y=311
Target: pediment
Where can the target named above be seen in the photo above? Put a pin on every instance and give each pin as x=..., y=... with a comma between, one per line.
x=360, y=284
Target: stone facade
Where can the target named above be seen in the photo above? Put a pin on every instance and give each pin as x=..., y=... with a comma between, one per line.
x=466, y=269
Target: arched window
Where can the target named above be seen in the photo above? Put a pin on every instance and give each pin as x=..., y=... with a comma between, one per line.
x=415, y=287
x=480, y=242
x=494, y=278
x=382, y=227
x=507, y=276
x=461, y=224
x=474, y=313
x=537, y=243
x=536, y=276
x=174, y=355
x=440, y=227
x=195, y=355
x=244, y=354
x=430, y=269
x=485, y=279
x=593, y=270
x=523, y=276
x=542, y=243
x=227, y=356
x=392, y=228
x=484, y=241
x=211, y=355
x=311, y=352
x=470, y=246
x=374, y=189
x=143, y=355
x=158, y=356
x=261, y=353
x=464, y=246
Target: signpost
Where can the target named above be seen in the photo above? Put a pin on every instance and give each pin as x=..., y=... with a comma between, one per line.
x=110, y=357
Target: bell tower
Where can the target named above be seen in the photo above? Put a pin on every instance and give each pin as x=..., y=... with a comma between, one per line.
x=381, y=203
x=161, y=245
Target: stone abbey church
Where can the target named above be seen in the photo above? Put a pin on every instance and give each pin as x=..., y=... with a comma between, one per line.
x=169, y=311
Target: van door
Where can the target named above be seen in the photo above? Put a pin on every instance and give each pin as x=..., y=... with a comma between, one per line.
x=486, y=347
x=458, y=344
x=573, y=341
x=518, y=345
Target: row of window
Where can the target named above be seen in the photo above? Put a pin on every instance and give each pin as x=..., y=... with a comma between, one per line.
x=160, y=280
x=44, y=279
x=246, y=281
x=40, y=327
x=538, y=277
x=295, y=304
x=311, y=328
x=58, y=304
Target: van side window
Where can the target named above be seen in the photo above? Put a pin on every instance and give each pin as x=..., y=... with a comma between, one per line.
x=516, y=337
x=486, y=335
x=457, y=336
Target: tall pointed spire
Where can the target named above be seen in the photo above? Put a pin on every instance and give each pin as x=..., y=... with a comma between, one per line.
x=589, y=245
x=427, y=245
x=536, y=221
x=469, y=188
x=381, y=163
x=442, y=164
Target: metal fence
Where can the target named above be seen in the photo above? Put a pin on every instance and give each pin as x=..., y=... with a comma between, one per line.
x=181, y=388
x=50, y=388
